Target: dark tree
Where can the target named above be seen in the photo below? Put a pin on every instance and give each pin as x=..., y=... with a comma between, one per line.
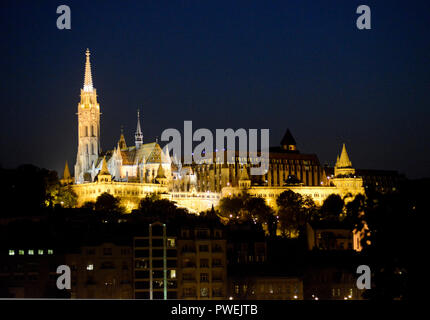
x=332, y=208
x=234, y=206
x=107, y=203
x=258, y=210
x=154, y=206
x=290, y=212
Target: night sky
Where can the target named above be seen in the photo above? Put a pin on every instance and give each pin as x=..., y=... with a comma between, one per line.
x=301, y=65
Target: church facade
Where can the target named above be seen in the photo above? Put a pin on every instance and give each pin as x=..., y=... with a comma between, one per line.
x=133, y=172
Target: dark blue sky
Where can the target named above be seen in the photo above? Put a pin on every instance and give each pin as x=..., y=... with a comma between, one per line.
x=301, y=65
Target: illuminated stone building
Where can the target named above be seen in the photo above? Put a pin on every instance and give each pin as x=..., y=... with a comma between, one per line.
x=133, y=172
x=128, y=171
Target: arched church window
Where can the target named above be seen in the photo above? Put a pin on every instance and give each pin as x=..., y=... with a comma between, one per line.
x=92, y=131
x=87, y=149
x=86, y=131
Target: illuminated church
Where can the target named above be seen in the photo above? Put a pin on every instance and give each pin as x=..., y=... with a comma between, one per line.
x=141, y=163
x=133, y=172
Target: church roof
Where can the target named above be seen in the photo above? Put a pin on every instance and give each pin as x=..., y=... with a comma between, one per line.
x=288, y=139
x=146, y=153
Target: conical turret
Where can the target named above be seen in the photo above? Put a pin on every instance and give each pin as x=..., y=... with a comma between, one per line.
x=66, y=173
x=104, y=170
x=343, y=165
x=122, y=144
x=104, y=174
x=161, y=176
x=344, y=161
x=244, y=181
x=288, y=142
x=67, y=177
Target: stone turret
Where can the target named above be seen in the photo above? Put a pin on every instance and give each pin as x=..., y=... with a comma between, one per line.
x=344, y=177
x=121, y=142
x=104, y=174
x=67, y=177
x=161, y=176
x=244, y=181
x=343, y=165
x=288, y=143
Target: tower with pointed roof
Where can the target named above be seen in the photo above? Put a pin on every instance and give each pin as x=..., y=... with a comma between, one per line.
x=244, y=181
x=104, y=174
x=88, y=125
x=138, y=136
x=288, y=143
x=121, y=142
x=67, y=177
x=343, y=166
x=345, y=180
x=161, y=176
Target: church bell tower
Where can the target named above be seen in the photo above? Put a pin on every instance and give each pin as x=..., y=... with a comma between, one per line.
x=88, y=127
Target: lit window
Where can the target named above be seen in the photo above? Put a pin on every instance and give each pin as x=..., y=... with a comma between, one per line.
x=90, y=267
x=50, y=251
x=21, y=252
x=11, y=252
x=204, y=292
x=172, y=274
x=31, y=252
x=40, y=252
x=171, y=242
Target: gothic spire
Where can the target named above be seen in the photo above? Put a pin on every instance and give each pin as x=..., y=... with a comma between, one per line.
x=138, y=136
x=88, y=80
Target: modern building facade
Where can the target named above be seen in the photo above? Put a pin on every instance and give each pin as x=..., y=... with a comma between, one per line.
x=102, y=271
x=202, y=262
x=155, y=264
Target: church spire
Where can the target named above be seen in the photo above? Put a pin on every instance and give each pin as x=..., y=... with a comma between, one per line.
x=138, y=136
x=88, y=80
